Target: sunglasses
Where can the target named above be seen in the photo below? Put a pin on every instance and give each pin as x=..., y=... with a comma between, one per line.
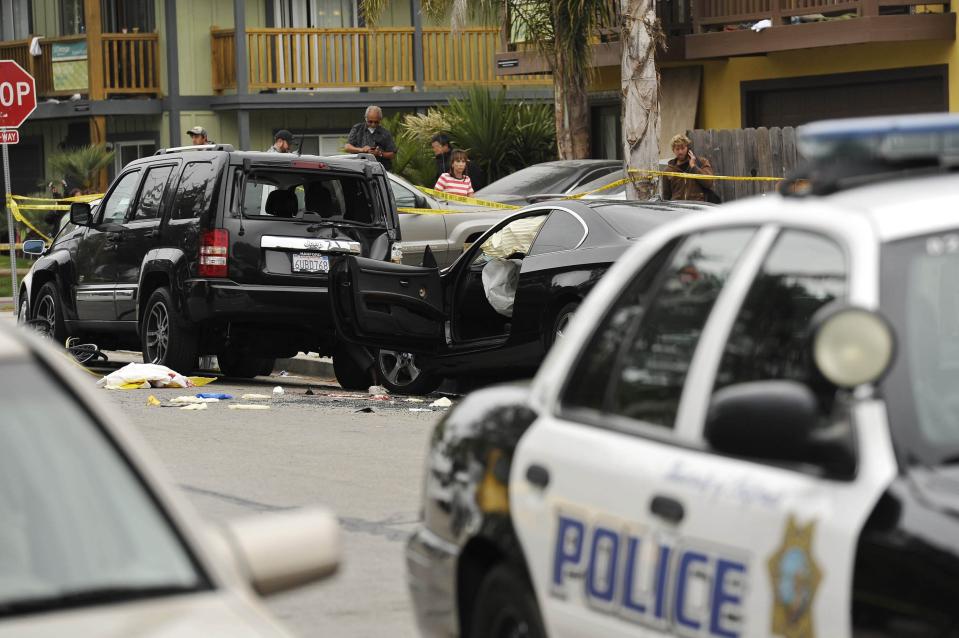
x=372, y=121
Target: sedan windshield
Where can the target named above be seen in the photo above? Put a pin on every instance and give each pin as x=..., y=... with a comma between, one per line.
x=532, y=180
x=76, y=524
x=920, y=295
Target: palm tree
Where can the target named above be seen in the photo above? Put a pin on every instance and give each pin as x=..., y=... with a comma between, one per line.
x=82, y=165
x=641, y=36
x=561, y=31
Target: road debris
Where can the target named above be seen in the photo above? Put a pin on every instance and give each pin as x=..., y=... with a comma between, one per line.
x=367, y=410
x=420, y=410
x=195, y=406
x=278, y=391
x=441, y=403
x=248, y=406
x=414, y=400
x=189, y=400
x=152, y=400
x=254, y=397
x=219, y=396
x=309, y=391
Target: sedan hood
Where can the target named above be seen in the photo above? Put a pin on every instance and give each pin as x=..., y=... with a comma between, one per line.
x=199, y=615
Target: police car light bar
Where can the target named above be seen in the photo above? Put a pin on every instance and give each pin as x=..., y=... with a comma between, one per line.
x=932, y=137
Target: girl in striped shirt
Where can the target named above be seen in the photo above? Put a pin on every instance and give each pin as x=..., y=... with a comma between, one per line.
x=456, y=182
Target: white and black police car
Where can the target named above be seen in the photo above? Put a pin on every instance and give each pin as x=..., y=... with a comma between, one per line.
x=750, y=429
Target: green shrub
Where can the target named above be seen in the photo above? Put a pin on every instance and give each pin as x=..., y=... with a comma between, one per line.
x=81, y=165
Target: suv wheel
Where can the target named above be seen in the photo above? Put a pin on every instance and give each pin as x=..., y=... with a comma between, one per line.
x=243, y=366
x=506, y=607
x=399, y=373
x=48, y=311
x=164, y=337
x=349, y=374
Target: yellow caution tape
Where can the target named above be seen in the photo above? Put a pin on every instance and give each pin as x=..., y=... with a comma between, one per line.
x=730, y=178
x=467, y=200
x=15, y=211
x=75, y=198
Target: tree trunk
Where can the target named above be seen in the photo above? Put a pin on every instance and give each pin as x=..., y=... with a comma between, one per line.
x=571, y=98
x=640, y=85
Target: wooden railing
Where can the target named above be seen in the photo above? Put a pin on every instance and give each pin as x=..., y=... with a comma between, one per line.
x=130, y=63
x=361, y=57
x=716, y=15
x=466, y=56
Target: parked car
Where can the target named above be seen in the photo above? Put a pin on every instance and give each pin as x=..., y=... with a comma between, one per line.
x=445, y=234
x=558, y=177
x=198, y=251
x=500, y=306
x=95, y=538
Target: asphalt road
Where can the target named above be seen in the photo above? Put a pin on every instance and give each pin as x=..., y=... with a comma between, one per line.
x=306, y=450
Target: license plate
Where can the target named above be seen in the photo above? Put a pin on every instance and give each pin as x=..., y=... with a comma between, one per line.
x=310, y=262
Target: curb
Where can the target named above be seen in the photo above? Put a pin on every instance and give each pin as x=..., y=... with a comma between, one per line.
x=311, y=367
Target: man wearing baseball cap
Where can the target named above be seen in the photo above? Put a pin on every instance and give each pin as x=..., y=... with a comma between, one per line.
x=199, y=136
x=281, y=142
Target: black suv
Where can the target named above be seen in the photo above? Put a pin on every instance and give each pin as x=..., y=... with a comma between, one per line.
x=204, y=250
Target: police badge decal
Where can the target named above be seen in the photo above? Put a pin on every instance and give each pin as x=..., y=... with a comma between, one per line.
x=795, y=578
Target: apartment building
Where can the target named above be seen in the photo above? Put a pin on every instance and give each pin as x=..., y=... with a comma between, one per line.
x=137, y=74
x=748, y=63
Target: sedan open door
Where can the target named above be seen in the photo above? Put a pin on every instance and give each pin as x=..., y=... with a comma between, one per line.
x=393, y=306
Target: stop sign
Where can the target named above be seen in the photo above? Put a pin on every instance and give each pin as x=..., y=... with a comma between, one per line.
x=18, y=94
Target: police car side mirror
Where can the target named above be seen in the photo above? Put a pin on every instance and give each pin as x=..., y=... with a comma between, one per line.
x=769, y=420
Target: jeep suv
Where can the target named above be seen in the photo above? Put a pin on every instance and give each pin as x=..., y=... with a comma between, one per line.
x=205, y=250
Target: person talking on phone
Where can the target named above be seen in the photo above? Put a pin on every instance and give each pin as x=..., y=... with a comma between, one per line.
x=686, y=161
x=370, y=137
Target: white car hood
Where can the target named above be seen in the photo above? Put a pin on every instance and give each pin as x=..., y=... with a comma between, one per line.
x=205, y=614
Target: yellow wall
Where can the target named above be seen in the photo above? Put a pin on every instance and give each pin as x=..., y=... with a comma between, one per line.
x=720, y=102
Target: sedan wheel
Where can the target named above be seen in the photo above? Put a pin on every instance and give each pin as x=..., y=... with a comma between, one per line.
x=399, y=373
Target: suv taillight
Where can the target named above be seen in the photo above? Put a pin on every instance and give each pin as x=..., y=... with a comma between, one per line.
x=213, y=253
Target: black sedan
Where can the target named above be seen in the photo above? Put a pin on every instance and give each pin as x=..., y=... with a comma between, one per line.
x=499, y=307
x=561, y=177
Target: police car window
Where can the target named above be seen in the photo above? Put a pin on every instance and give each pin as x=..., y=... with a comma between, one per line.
x=151, y=195
x=561, y=231
x=802, y=273
x=652, y=367
x=587, y=384
x=195, y=192
x=115, y=209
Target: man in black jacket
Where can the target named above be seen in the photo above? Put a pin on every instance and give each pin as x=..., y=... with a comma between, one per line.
x=442, y=153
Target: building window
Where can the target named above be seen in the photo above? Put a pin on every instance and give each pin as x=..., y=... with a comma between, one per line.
x=317, y=144
x=127, y=151
x=315, y=14
x=71, y=17
x=15, y=20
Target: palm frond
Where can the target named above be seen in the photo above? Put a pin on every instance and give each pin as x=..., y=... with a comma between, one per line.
x=82, y=165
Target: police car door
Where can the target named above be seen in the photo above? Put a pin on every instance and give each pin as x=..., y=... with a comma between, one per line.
x=637, y=523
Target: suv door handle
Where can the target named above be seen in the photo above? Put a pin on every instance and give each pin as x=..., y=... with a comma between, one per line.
x=537, y=475
x=153, y=234
x=667, y=508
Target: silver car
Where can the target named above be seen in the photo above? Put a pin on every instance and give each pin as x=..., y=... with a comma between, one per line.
x=95, y=541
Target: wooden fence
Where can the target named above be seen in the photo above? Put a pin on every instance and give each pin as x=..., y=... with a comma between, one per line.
x=748, y=152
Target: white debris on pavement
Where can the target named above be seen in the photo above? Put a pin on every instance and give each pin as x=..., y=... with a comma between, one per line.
x=441, y=403
x=194, y=406
x=189, y=399
x=377, y=390
x=249, y=406
x=278, y=391
x=144, y=375
x=254, y=397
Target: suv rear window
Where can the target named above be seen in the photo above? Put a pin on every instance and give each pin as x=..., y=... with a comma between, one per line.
x=309, y=196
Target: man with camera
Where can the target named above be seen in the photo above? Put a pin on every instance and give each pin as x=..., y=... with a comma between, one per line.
x=370, y=137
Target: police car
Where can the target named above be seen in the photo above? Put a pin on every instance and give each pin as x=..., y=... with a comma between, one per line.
x=751, y=427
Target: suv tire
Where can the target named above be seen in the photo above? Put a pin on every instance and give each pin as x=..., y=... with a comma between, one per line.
x=244, y=366
x=49, y=310
x=398, y=373
x=164, y=337
x=349, y=374
x=505, y=606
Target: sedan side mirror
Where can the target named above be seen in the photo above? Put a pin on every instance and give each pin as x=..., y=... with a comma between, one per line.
x=34, y=247
x=287, y=550
x=80, y=214
x=419, y=201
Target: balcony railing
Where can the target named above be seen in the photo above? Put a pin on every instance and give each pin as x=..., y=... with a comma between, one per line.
x=360, y=57
x=720, y=15
x=130, y=64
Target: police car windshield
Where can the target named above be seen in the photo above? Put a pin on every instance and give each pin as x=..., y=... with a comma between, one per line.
x=920, y=295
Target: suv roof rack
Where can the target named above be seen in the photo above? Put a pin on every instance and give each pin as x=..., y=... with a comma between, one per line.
x=842, y=154
x=200, y=147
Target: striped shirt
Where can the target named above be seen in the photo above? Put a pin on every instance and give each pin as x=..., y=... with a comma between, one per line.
x=449, y=184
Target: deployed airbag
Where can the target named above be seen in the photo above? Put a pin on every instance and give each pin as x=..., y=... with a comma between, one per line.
x=500, y=277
